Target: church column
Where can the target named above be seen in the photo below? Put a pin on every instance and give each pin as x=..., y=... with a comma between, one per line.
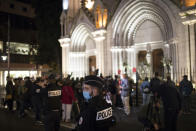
x=65, y=42
x=192, y=49
x=99, y=37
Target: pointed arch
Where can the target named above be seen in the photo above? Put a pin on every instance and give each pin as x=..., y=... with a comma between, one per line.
x=79, y=36
x=130, y=17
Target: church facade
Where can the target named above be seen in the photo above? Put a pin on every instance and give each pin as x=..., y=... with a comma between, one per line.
x=129, y=36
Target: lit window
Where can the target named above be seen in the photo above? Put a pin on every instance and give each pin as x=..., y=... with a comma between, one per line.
x=19, y=48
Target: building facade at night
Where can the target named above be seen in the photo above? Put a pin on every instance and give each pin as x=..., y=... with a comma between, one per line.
x=117, y=36
x=17, y=27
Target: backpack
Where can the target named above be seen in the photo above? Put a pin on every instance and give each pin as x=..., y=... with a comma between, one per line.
x=186, y=91
x=146, y=89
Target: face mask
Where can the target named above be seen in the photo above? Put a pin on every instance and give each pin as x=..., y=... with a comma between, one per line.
x=86, y=95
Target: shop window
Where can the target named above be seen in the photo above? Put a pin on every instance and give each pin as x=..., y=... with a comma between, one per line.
x=19, y=48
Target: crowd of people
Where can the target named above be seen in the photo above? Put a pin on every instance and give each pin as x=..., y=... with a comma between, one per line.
x=30, y=94
x=167, y=96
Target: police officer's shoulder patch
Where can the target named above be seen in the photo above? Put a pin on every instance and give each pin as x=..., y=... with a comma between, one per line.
x=80, y=121
x=104, y=114
x=54, y=93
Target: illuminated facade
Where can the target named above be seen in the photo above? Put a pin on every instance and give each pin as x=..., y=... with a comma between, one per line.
x=96, y=34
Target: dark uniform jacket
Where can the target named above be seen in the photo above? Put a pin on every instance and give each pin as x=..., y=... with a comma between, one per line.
x=36, y=94
x=170, y=96
x=154, y=84
x=52, y=97
x=186, y=87
x=97, y=116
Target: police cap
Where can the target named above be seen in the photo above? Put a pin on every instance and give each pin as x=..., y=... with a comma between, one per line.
x=93, y=80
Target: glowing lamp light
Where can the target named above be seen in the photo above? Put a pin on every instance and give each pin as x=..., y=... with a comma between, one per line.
x=100, y=17
x=189, y=3
x=89, y=4
x=4, y=58
x=65, y=4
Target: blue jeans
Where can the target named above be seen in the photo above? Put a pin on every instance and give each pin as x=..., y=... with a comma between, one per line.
x=146, y=98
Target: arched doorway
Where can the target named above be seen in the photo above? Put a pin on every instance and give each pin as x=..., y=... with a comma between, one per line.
x=82, y=47
x=141, y=26
x=156, y=66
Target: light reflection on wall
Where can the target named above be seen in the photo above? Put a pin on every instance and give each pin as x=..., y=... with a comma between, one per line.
x=77, y=62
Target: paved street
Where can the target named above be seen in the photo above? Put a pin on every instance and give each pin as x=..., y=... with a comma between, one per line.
x=10, y=122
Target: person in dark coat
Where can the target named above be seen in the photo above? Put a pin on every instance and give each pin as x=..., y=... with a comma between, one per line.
x=155, y=83
x=37, y=99
x=9, y=93
x=28, y=94
x=172, y=104
x=52, y=104
x=186, y=89
x=97, y=115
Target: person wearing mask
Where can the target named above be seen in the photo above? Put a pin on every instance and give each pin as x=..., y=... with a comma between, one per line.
x=52, y=104
x=97, y=114
x=125, y=92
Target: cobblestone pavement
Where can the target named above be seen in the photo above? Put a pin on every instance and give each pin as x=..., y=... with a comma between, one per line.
x=10, y=122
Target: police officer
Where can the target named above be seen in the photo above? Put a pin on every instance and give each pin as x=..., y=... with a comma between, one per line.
x=97, y=115
x=52, y=105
